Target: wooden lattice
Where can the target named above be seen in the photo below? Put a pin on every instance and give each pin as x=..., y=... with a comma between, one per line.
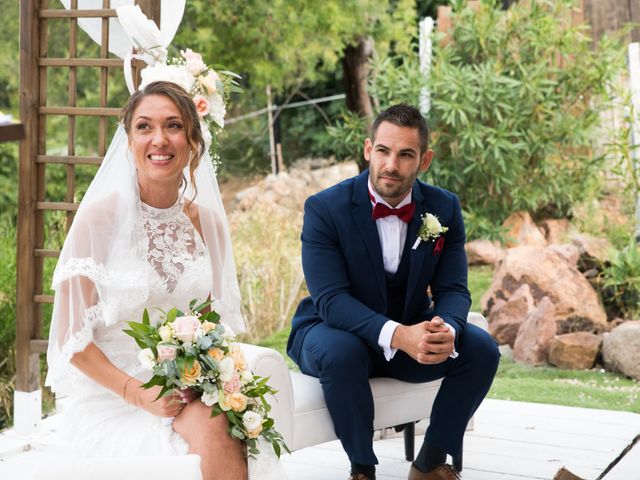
x=40, y=24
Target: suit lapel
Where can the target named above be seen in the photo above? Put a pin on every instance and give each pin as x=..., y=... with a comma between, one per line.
x=361, y=212
x=418, y=255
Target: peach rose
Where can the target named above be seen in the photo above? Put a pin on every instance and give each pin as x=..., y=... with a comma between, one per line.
x=208, y=326
x=202, y=105
x=238, y=358
x=209, y=82
x=254, y=433
x=216, y=354
x=237, y=401
x=191, y=374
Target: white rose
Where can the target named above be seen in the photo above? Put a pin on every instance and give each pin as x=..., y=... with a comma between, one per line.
x=246, y=377
x=251, y=420
x=147, y=359
x=217, y=110
x=210, y=399
x=227, y=368
x=433, y=224
x=165, y=333
x=228, y=334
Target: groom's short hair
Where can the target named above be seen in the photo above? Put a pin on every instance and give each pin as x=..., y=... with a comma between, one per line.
x=404, y=115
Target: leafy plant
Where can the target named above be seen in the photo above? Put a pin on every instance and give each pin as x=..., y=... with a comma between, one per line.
x=516, y=98
x=620, y=281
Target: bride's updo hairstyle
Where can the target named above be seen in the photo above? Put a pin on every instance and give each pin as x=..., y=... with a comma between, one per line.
x=187, y=108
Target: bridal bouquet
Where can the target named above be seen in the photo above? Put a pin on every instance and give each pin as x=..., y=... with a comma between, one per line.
x=195, y=350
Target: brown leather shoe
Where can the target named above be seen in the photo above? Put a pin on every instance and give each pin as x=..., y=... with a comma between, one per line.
x=441, y=472
x=358, y=476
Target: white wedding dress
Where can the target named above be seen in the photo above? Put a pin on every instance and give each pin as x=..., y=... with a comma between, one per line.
x=170, y=258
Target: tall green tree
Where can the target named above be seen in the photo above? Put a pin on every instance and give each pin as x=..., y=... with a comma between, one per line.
x=289, y=43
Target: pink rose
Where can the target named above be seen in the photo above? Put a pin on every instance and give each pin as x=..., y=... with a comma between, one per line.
x=232, y=385
x=185, y=328
x=166, y=352
x=202, y=105
x=193, y=61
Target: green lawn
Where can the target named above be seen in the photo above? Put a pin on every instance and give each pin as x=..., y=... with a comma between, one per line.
x=590, y=389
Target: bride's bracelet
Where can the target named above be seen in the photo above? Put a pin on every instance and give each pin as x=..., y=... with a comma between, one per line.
x=124, y=390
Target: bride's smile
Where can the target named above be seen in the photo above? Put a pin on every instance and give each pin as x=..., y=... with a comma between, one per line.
x=160, y=148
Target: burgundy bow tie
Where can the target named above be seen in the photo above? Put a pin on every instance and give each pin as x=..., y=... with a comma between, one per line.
x=404, y=213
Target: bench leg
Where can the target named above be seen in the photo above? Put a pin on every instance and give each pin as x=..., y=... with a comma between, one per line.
x=409, y=441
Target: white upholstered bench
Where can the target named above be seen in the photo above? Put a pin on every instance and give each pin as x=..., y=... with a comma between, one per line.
x=301, y=414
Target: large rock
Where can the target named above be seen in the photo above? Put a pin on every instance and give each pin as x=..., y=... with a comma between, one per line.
x=568, y=252
x=287, y=191
x=505, y=318
x=535, y=333
x=593, y=251
x=621, y=349
x=522, y=231
x=577, y=306
x=556, y=230
x=483, y=252
x=574, y=351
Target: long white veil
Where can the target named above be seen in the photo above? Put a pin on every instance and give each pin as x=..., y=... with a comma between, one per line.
x=96, y=277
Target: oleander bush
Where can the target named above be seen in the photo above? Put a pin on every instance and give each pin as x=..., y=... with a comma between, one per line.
x=516, y=103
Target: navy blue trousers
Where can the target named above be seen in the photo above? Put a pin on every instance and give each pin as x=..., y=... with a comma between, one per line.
x=344, y=363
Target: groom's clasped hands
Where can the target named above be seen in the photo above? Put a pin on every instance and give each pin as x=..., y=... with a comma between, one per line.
x=427, y=342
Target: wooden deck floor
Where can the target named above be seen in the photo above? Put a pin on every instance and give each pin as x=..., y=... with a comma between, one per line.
x=510, y=441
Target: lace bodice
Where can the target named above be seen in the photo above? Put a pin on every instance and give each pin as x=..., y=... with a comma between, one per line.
x=166, y=267
x=170, y=243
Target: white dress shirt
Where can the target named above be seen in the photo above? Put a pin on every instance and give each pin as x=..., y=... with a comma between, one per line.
x=393, y=233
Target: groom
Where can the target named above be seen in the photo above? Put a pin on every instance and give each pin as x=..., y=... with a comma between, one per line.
x=389, y=298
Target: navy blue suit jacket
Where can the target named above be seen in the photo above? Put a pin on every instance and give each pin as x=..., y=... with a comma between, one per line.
x=344, y=270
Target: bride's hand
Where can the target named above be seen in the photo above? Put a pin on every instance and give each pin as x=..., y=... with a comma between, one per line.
x=188, y=395
x=168, y=406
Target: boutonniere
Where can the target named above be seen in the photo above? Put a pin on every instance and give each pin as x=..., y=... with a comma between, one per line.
x=430, y=229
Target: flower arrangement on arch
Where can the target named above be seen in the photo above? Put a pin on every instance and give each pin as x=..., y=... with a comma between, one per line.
x=195, y=350
x=209, y=88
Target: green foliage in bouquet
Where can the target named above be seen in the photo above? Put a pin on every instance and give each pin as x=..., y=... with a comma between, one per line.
x=194, y=350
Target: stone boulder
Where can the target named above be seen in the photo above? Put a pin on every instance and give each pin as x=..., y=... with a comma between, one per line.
x=569, y=252
x=621, y=349
x=577, y=305
x=522, y=231
x=593, y=251
x=556, y=230
x=288, y=190
x=505, y=318
x=574, y=351
x=535, y=334
x=483, y=252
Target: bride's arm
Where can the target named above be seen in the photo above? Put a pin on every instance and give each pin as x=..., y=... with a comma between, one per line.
x=95, y=364
x=75, y=297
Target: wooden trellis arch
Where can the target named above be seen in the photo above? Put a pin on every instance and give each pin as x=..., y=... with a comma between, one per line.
x=37, y=21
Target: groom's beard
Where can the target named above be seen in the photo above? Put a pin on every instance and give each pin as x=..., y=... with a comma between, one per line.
x=393, y=190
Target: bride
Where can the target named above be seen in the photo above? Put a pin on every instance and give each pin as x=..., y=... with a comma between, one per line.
x=150, y=232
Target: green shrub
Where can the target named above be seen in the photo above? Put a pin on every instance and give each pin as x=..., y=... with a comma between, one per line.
x=620, y=282
x=516, y=99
